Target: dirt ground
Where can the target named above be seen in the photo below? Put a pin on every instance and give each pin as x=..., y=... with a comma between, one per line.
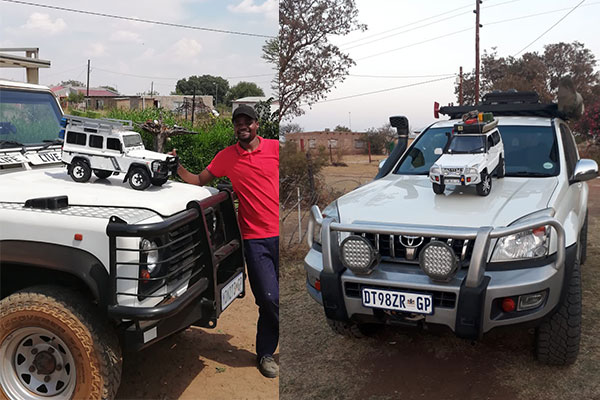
x=412, y=364
x=202, y=363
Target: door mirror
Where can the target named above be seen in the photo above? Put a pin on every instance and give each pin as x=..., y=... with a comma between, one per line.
x=585, y=170
x=381, y=163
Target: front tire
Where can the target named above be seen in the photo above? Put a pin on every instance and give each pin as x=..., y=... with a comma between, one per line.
x=438, y=189
x=80, y=171
x=485, y=186
x=557, y=338
x=102, y=174
x=159, y=181
x=501, y=168
x=139, y=179
x=54, y=346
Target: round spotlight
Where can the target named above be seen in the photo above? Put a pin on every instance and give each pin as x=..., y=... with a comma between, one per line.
x=438, y=261
x=358, y=255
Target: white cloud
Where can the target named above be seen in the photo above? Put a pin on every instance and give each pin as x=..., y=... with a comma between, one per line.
x=186, y=48
x=126, y=37
x=42, y=22
x=268, y=7
x=95, y=50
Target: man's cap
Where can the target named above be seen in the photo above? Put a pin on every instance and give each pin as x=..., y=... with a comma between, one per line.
x=244, y=110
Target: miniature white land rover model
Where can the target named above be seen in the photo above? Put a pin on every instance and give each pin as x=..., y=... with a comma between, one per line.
x=89, y=270
x=110, y=147
x=474, y=151
x=393, y=252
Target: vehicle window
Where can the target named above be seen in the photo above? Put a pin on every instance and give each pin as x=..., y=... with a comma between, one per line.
x=132, y=140
x=76, y=138
x=570, y=149
x=530, y=150
x=96, y=141
x=113, y=144
x=463, y=144
x=28, y=118
x=420, y=156
x=490, y=142
x=496, y=137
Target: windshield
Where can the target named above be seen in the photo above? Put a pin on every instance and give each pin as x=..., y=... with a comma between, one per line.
x=132, y=140
x=466, y=144
x=528, y=151
x=27, y=118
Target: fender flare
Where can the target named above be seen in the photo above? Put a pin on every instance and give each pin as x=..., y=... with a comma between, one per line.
x=76, y=262
x=134, y=165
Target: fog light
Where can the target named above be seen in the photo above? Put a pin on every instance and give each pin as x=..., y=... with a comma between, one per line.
x=530, y=301
x=358, y=255
x=438, y=261
x=318, y=285
x=508, y=305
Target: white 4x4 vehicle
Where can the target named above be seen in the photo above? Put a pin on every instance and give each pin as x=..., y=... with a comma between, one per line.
x=109, y=147
x=89, y=270
x=473, y=153
x=393, y=252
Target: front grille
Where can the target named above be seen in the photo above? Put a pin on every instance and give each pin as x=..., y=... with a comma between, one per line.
x=440, y=299
x=406, y=249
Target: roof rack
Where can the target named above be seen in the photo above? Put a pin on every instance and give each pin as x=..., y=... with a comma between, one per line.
x=508, y=103
x=94, y=125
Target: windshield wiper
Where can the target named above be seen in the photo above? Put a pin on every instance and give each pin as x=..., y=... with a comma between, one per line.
x=9, y=143
x=51, y=143
x=527, y=173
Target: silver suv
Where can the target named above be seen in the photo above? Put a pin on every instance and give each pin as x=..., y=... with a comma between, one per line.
x=393, y=252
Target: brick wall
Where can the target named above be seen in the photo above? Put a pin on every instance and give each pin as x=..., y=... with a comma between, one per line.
x=349, y=142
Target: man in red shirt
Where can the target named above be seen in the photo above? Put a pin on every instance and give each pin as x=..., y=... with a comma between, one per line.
x=252, y=166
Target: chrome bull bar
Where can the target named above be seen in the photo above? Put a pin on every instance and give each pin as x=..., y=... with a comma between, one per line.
x=482, y=237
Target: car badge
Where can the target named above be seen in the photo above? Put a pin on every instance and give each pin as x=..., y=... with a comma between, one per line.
x=411, y=241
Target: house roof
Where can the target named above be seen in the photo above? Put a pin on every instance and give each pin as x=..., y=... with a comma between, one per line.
x=94, y=92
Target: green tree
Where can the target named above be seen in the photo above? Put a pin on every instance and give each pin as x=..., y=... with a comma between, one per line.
x=342, y=128
x=379, y=139
x=290, y=128
x=310, y=66
x=76, y=97
x=71, y=82
x=206, y=85
x=110, y=88
x=268, y=122
x=243, y=89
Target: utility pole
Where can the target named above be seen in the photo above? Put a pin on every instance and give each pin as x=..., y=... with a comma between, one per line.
x=193, y=106
x=216, y=94
x=460, y=88
x=349, y=120
x=477, y=26
x=152, y=89
x=87, y=90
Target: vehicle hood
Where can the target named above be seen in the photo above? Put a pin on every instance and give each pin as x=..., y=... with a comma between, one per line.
x=146, y=154
x=169, y=199
x=459, y=160
x=409, y=199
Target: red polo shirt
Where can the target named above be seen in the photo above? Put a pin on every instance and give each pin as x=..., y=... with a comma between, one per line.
x=255, y=178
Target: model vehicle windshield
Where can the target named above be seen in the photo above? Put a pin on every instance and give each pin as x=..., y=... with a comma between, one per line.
x=529, y=151
x=132, y=140
x=461, y=144
x=27, y=118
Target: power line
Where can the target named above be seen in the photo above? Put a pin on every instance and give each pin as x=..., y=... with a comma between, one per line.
x=168, y=78
x=549, y=29
x=138, y=19
x=385, y=90
x=400, y=76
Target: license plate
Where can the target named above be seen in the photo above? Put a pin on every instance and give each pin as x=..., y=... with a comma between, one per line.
x=14, y=158
x=232, y=290
x=398, y=301
x=452, y=181
x=46, y=157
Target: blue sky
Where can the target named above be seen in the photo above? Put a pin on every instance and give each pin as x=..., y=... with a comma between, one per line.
x=130, y=55
x=434, y=38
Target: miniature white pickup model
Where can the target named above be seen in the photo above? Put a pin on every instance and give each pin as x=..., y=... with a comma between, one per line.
x=393, y=252
x=90, y=270
x=110, y=147
x=473, y=153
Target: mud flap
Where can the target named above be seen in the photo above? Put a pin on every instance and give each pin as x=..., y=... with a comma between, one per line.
x=470, y=309
x=333, y=295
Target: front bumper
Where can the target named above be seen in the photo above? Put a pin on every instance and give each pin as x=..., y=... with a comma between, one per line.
x=461, y=179
x=468, y=304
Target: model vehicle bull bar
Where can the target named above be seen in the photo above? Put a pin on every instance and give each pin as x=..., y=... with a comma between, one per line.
x=200, y=248
x=482, y=237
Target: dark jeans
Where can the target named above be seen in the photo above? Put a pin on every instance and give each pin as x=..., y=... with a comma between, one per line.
x=262, y=261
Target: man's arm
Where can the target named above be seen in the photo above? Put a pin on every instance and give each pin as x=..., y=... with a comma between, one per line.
x=201, y=179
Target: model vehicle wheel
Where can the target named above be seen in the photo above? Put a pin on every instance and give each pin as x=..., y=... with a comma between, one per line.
x=485, y=186
x=102, y=174
x=438, y=189
x=159, y=181
x=351, y=329
x=80, y=171
x=557, y=338
x=139, y=179
x=501, y=168
x=53, y=346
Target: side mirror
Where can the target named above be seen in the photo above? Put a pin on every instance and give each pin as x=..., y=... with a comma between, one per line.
x=438, y=151
x=381, y=163
x=585, y=170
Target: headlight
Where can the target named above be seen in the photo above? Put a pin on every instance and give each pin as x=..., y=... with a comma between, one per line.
x=438, y=261
x=532, y=243
x=331, y=211
x=435, y=170
x=149, y=255
x=358, y=255
x=471, y=171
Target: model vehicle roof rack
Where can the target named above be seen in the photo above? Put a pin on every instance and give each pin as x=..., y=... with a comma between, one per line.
x=508, y=103
x=106, y=125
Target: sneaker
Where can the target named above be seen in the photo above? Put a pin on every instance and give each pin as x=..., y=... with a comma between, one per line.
x=268, y=367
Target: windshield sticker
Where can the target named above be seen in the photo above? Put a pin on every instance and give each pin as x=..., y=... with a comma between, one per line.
x=548, y=165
